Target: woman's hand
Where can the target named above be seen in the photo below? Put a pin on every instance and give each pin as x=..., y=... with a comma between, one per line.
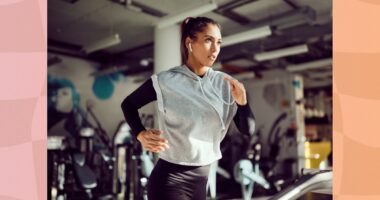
x=151, y=140
x=237, y=90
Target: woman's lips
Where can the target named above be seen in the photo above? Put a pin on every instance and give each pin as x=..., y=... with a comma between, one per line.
x=212, y=57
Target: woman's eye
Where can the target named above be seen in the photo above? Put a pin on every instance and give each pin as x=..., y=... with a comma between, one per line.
x=208, y=40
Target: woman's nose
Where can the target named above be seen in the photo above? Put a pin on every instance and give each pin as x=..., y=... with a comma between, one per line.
x=214, y=47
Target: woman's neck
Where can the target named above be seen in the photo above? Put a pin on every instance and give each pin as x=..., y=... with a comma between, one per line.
x=196, y=67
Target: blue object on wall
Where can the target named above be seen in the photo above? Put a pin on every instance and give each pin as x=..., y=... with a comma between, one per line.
x=56, y=83
x=103, y=87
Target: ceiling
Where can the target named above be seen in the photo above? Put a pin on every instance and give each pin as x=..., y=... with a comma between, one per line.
x=72, y=24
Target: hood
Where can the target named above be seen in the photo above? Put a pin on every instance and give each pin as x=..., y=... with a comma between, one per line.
x=183, y=69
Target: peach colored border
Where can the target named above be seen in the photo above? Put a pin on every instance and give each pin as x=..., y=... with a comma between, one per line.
x=356, y=96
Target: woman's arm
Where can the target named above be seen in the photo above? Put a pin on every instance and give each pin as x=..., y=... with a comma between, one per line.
x=245, y=120
x=137, y=99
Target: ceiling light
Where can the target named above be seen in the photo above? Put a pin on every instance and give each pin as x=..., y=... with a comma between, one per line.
x=269, y=55
x=246, y=36
x=310, y=65
x=103, y=43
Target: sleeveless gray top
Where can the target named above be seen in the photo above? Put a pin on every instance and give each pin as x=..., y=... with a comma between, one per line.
x=194, y=113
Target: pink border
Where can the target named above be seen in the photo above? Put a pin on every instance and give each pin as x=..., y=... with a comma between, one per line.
x=23, y=66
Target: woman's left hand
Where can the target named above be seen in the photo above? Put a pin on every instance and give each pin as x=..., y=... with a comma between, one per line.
x=237, y=90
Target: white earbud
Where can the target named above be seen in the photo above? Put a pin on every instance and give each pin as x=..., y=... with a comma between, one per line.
x=190, y=49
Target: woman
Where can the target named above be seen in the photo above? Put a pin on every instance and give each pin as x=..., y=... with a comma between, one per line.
x=195, y=108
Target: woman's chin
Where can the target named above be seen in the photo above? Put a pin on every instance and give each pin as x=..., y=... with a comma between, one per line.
x=209, y=63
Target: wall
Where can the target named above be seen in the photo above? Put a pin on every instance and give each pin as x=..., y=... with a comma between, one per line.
x=108, y=110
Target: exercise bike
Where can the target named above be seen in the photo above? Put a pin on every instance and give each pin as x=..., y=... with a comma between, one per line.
x=247, y=171
x=133, y=165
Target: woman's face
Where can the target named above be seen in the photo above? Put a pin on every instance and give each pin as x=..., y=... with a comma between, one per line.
x=206, y=46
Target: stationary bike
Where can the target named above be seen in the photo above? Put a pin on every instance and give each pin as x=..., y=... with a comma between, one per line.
x=133, y=164
x=247, y=171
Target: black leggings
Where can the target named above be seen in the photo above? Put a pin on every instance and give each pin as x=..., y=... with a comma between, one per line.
x=170, y=181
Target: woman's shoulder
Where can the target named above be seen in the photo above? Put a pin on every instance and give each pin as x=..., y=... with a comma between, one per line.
x=218, y=75
x=166, y=73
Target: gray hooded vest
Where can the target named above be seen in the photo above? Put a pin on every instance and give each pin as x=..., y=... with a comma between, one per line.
x=194, y=113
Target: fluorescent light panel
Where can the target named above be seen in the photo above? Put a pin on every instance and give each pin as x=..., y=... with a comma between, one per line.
x=246, y=36
x=310, y=65
x=269, y=55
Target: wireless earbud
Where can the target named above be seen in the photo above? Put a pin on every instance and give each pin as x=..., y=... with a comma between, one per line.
x=190, y=49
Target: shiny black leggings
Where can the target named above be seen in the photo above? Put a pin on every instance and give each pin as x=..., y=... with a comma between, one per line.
x=170, y=181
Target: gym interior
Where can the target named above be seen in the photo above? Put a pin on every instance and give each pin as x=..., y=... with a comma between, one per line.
x=99, y=51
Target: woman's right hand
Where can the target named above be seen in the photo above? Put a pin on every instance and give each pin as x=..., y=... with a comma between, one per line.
x=151, y=140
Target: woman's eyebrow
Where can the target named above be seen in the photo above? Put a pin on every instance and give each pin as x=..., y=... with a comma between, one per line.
x=213, y=37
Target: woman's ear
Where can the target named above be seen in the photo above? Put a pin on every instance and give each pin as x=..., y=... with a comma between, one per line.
x=188, y=44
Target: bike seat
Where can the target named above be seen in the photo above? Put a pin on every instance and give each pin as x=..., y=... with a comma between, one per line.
x=87, y=132
x=56, y=143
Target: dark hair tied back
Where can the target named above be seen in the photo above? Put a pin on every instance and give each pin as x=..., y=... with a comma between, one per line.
x=189, y=28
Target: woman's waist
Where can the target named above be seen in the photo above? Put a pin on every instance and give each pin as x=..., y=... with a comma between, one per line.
x=184, y=171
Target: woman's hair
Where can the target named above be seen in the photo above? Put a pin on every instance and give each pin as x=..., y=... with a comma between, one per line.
x=189, y=28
